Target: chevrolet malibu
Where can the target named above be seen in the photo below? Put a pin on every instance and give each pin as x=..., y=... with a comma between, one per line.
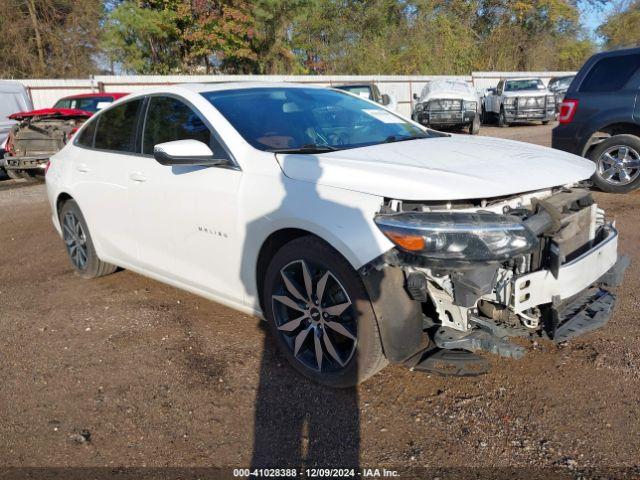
x=360, y=236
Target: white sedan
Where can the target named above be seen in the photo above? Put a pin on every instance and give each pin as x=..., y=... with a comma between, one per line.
x=359, y=235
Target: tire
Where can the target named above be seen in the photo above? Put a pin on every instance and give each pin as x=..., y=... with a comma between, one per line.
x=353, y=336
x=616, y=172
x=14, y=175
x=484, y=117
x=474, y=127
x=79, y=244
x=502, y=119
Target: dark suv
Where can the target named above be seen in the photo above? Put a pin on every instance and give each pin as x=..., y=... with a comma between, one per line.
x=600, y=119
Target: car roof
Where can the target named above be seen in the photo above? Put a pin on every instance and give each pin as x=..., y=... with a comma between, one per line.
x=114, y=95
x=221, y=86
x=521, y=78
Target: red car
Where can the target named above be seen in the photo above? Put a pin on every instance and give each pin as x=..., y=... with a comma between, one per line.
x=41, y=133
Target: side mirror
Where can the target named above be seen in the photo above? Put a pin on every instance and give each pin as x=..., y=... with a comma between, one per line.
x=185, y=152
x=385, y=99
x=415, y=96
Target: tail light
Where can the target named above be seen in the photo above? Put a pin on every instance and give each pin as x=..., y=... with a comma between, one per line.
x=8, y=146
x=567, y=110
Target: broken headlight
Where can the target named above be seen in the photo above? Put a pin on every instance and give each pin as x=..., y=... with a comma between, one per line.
x=479, y=237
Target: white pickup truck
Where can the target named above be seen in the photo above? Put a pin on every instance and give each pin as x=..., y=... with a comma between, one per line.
x=518, y=100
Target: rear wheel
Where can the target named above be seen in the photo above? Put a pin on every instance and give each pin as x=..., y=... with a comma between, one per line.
x=320, y=314
x=617, y=164
x=79, y=244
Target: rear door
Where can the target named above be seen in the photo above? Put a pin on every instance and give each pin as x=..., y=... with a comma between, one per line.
x=100, y=178
x=609, y=85
x=186, y=216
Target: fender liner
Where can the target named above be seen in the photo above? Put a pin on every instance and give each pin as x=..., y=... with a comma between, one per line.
x=399, y=317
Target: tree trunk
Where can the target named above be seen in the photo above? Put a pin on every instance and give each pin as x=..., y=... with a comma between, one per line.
x=36, y=28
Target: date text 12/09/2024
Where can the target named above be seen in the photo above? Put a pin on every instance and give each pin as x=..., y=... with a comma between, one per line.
x=315, y=472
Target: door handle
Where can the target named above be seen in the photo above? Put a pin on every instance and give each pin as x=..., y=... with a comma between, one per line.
x=82, y=168
x=137, y=177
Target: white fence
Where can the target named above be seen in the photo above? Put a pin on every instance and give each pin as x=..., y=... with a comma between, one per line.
x=45, y=93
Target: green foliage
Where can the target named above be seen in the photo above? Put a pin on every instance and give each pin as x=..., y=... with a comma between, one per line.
x=60, y=37
x=142, y=40
x=622, y=29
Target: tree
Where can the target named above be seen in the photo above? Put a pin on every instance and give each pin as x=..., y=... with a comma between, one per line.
x=622, y=29
x=49, y=38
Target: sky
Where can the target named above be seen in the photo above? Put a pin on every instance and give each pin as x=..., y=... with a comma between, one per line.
x=594, y=17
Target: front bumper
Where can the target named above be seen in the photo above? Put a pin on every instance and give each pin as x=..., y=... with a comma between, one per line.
x=25, y=163
x=541, y=287
x=446, y=118
x=529, y=114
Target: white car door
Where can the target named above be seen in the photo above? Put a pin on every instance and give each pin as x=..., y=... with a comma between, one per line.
x=186, y=217
x=100, y=179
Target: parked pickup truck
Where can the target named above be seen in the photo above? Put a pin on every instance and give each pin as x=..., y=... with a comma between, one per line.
x=447, y=104
x=519, y=100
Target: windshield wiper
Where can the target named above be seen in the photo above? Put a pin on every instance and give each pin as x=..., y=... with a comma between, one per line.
x=308, y=148
x=394, y=138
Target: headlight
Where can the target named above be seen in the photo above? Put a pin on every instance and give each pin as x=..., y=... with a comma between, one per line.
x=473, y=237
x=511, y=100
x=473, y=106
x=419, y=107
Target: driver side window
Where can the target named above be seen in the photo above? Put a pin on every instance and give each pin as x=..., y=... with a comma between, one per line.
x=170, y=119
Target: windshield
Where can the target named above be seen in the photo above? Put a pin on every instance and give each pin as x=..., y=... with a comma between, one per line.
x=518, y=85
x=285, y=118
x=361, y=90
x=560, y=83
x=89, y=104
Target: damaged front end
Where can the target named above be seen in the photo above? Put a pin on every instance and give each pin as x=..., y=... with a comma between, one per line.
x=38, y=135
x=480, y=272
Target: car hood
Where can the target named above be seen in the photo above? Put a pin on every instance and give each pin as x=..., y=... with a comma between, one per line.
x=441, y=168
x=448, y=95
x=52, y=113
x=527, y=93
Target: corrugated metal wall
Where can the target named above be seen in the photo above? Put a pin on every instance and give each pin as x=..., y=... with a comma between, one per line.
x=401, y=87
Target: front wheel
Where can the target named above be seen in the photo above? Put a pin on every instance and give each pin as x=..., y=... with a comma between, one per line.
x=617, y=164
x=320, y=314
x=502, y=119
x=474, y=127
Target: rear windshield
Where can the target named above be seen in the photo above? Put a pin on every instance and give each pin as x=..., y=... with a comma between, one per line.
x=601, y=77
x=519, y=85
x=89, y=104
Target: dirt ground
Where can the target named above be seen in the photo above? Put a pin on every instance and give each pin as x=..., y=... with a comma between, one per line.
x=123, y=371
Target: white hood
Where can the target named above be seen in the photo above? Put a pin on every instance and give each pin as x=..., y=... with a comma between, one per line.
x=442, y=168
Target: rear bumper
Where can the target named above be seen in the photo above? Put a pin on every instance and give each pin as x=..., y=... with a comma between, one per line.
x=565, y=138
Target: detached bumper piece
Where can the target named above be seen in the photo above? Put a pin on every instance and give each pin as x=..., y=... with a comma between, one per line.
x=589, y=310
x=456, y=363
x=450, y=339
x=583, y=315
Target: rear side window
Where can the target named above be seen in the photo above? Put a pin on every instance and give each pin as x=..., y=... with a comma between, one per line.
x=116, y=128
x=85, y=139
x=611, y=73
x=169, y=119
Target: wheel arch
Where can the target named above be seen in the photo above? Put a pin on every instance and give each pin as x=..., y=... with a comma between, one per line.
x=61, y=199
x=279, y=238
x=609, y=129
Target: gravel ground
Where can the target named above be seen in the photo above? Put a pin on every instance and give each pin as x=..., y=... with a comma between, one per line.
x=125, y=371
